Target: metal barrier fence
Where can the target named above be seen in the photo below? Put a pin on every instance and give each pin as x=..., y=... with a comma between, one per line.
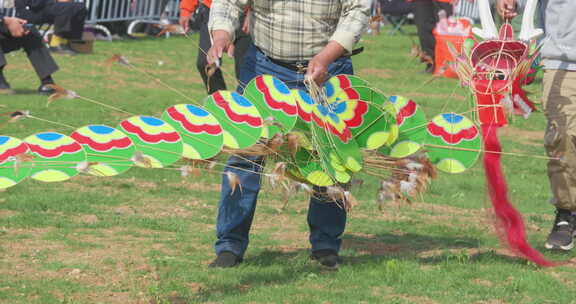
x=118, y=10
x=127, y=10
x=133, y=11
x=467, y=8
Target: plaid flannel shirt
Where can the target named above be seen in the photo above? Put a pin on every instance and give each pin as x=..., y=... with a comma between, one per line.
x=294, y=30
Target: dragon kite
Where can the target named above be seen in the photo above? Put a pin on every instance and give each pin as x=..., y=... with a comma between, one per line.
x=319, y=138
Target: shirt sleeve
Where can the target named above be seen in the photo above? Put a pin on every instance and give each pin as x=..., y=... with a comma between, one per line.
x=353, y=22
x=2, y=25
x=225, y=15
x=187, y=7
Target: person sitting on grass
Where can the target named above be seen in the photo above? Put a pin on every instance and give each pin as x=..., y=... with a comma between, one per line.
x=67, y=16
x=15, y=35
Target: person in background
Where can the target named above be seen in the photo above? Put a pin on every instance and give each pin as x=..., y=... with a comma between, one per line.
x=14, y=35
x=213, y=79
x=293, y=41
x=67, y=16
x=559, y=104
x=426, y=15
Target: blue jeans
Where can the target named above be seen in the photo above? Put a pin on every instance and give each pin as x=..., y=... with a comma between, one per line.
x=326, y=219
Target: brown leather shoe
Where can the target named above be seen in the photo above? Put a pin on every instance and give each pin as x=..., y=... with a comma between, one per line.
x=327, y=258
x=226, y=259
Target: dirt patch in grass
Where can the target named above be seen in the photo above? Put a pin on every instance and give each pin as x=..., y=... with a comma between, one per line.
x=203, y=187
x=285, y=228
x=494, y=301
x=144, y=184
x=381, y=290
x=525, y=137
x=430, y=213
x=415, y=96
x=156, y=207
x=564, y=278
x=482, y=282
x=7, y=213
x=149, y=83
x=410, y=299
x=118, y=85
x=115, y=297
x=468, y=253
x=89, y=219
x=166, y=208
x=24, y=256
x=382, y=73
x=86, y=183
x=391, y=212
x=188, y=80
x=364, y=244
x=445, y=209
x=33, y=232
x=118, y=263
x=281, y=221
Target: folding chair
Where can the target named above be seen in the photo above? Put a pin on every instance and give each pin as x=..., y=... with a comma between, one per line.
x=397, y=13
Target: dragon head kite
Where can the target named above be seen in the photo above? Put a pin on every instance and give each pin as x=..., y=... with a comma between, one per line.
x=495, y=70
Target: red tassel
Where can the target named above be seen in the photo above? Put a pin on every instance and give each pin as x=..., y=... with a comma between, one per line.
x=522, y=105
x=509, y=220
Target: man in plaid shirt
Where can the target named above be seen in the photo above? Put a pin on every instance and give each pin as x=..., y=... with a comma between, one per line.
x=293, y=39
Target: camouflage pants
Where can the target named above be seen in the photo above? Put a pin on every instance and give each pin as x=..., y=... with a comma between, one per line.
x=559, y=103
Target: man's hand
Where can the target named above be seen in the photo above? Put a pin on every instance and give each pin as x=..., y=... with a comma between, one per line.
x=506, y=8
x=220, y=43
x=246, y=24
x=184, y=21
x=318, y=66
x=15, y=26
x=318, y=69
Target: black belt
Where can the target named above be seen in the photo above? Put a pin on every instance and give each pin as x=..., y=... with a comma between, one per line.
x=300, y=66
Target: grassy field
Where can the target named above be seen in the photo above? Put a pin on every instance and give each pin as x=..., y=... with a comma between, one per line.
x=146, y=236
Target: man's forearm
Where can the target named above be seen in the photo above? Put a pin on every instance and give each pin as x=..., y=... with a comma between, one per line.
x=332, y=51
x=219, y=35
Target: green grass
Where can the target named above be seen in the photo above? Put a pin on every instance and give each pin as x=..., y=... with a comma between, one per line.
x=146, y=236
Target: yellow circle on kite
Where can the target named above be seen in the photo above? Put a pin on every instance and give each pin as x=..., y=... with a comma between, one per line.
x=449, y=165
x=50, y=175
x=6, y=182
x=319, y=178
x=404, y=149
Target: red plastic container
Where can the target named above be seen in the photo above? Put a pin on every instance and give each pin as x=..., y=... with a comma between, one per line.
x=455, y=31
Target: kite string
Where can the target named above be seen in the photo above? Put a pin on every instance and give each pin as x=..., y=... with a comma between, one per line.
x=104, y=105
x=51, y=122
